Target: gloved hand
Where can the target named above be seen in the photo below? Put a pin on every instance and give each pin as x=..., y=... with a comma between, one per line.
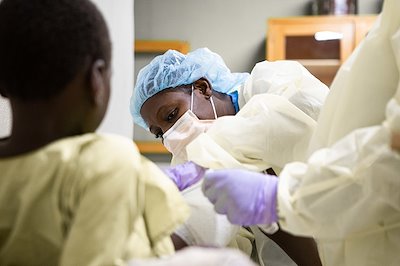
x=247, y=198
x=186, y=174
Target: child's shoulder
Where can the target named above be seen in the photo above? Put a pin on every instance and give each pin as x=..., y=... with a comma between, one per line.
x=103, y=148
x=90, y=150
x=78, y=161
x=101, y=156
x=105, y=143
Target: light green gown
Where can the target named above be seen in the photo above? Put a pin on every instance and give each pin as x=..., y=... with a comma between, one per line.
x=87, y=200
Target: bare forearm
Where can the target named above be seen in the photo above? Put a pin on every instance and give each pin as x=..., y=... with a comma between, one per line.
x=302, y=250
x=178, y=242
x=396, y=141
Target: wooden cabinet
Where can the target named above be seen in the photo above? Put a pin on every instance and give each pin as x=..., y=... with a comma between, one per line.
x=320, y=43
x=160, y=46
x=145, y=143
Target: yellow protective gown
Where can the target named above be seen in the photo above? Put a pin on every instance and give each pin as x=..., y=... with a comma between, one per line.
x=279, y=104
x=199, y=256
x=347, y=195
x=87, y=200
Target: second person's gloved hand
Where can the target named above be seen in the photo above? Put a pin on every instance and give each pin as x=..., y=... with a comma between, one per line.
x=247, y=198
x=186, y=174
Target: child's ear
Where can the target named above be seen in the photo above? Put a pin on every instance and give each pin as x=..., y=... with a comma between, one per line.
x=99, y=82
x=204, y=87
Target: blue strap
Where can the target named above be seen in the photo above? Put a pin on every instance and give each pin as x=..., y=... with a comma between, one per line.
x=235, y=98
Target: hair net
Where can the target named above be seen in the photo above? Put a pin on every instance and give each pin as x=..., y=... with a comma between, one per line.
x=174, y=69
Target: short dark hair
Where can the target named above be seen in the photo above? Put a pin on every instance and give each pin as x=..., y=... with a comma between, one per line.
x=44, y=44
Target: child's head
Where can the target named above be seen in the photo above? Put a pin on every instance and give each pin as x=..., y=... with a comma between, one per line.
x=46, y=45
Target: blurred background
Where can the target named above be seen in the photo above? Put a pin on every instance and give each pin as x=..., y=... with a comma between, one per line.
x=235, y=29
x=240, y=32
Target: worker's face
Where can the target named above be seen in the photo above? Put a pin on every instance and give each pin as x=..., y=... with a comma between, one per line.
x=162, y=110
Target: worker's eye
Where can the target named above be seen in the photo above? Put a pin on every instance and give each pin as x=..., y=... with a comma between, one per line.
x=158, y=135
x=172, y=115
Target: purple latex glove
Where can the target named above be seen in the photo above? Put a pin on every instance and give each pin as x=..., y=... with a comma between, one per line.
x=186, y=174
x=247, y=198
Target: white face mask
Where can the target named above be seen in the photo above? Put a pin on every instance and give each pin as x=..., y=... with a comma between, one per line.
x=185, y=129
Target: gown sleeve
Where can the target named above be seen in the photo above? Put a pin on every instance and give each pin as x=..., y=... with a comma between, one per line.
x=350, y=184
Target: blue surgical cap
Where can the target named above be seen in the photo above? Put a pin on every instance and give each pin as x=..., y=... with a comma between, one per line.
x=174, y=69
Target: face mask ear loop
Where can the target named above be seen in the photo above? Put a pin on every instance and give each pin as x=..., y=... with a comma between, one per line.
x=191, y=100
x=213, y=107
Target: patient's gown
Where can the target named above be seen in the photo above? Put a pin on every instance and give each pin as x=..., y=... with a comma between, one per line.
x=86, y=200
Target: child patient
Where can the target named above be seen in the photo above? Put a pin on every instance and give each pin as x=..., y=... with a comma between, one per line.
x=69, y=196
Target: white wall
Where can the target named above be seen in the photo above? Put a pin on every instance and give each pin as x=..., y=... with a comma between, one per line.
x=5, y=118
x=119, y=17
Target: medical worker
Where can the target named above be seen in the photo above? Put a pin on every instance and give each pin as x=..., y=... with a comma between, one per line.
x=179, y=97
x=347, y=194
x=69, y=196
x=176, y=90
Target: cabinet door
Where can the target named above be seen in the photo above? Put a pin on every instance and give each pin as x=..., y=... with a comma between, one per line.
x=320, y=43
x=362, y=26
